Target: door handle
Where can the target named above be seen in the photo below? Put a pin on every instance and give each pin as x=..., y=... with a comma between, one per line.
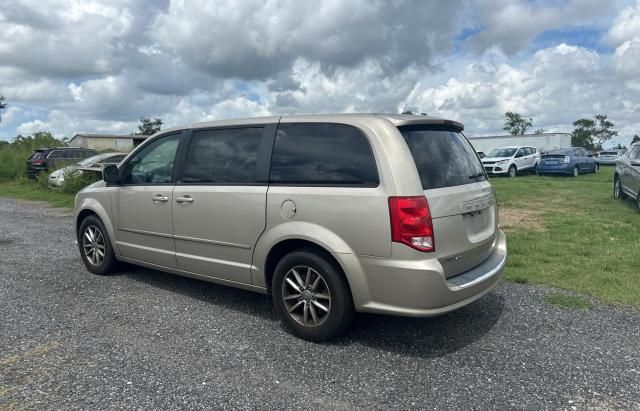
x=160, y=197
x=185, y=199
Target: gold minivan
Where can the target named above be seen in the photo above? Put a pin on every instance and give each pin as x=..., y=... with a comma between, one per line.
x=331, y=214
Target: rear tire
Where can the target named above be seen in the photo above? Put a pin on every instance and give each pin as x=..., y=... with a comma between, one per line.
x=95, y=247
x=513, y=171
x=320, y=306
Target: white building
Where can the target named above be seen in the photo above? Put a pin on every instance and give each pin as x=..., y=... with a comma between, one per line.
x=99, y=142
x=543, y=142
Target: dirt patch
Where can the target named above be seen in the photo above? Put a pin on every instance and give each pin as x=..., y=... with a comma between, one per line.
x=513, y=219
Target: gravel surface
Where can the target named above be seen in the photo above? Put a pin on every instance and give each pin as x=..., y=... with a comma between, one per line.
x=143, y=339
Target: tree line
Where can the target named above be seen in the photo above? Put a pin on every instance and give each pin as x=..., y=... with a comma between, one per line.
x=590, y=133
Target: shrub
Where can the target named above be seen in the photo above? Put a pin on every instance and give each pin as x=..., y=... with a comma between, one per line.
x=75, y=180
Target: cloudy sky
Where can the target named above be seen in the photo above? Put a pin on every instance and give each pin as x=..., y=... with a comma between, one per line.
x=72, y=66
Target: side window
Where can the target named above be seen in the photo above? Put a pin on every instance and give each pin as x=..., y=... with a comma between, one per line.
x=635, y=153
x=72, y=154
x=322, y=154
x=519, y=153
x=56, y=154
x=88, y=153
x=154, y=163
x=223, y=156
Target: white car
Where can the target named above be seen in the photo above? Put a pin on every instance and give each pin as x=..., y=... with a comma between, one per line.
x=511, y=160
x=56, y=179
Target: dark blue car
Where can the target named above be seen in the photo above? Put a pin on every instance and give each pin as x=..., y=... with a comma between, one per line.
x=570, y=161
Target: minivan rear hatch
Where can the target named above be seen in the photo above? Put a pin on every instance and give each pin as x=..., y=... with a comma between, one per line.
x=461, y=200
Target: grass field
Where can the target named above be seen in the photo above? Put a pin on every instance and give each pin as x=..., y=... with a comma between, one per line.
x=28, y=190
x=571, y=233
x=563, y=232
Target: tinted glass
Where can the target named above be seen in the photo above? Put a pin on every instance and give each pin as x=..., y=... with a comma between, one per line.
x=223, y=156
x=56, y=154
x=443, y=156
x=38, y=155
x=563, y=151
x=635, y=153
x=154, y=163
x=502, y=152
x=319, y=154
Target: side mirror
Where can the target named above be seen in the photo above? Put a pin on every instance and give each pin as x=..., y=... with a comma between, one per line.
x=589, y=155
x=111, y=175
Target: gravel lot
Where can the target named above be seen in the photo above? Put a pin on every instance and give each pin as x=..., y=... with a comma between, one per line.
x=147, y=340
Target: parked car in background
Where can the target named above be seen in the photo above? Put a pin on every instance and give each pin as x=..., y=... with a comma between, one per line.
x=91, y=164
x=46, y=159
x=609, y=157
x=626, y=180
x=511, y=160
x=571, y=161
x=331, y=214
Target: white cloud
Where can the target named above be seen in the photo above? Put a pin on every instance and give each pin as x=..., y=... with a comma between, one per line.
x=97, y=66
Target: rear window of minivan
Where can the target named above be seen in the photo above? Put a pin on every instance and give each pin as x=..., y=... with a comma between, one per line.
x=443, y=156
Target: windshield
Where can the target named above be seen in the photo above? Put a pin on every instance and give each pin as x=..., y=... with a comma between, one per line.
x=556, y=152
x=38, y=155
x=443, y=156
x=502, y=152
x=92, y=160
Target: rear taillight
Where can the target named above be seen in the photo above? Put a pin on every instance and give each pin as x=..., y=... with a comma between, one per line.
x=37, y=162
x=411, y=222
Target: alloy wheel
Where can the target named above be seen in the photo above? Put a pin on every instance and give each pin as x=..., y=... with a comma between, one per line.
x=306, y=296
x=616, y=189
x=93, y=245
x=576, y=172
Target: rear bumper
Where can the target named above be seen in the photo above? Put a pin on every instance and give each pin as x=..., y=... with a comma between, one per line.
x=555, y=169
x=607, y=162
x=419, y=288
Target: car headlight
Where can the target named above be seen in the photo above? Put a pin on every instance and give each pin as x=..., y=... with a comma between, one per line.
x=502, y=163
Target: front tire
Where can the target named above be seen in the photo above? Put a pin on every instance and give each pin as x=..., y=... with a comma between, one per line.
x=576, y=171
x=513, y=171
x=311, y=296
x=618, y=193
x=95, y=247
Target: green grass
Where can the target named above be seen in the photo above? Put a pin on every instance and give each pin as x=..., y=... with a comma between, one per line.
x=568, y=301
x=574, y=236
x=29, y=190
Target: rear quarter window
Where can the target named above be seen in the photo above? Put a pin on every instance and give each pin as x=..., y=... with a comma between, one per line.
x=443, y=156
x=322, y=154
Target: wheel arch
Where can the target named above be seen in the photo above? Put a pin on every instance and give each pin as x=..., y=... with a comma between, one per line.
x=92, y=207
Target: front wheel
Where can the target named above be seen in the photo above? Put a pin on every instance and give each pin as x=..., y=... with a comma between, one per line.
x=596, y=167
x=311, y=296
x=95, y=247
x=576, y=171
x=618, y=194
x=513, y=171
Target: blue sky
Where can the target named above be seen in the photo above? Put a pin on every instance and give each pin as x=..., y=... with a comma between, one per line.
x=98, y=66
